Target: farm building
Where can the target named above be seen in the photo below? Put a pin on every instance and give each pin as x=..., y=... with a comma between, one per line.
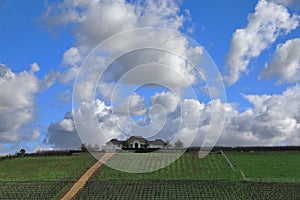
x=136, y=142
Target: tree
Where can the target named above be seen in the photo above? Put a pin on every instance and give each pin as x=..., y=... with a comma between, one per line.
x=83, y=147
x=168, y=145
x=178, y=144
x=87, y=147
x=126, y=145
x=22, y=151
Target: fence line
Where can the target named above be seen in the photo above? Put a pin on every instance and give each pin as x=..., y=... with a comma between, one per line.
x=251, y=179
x=234, y=169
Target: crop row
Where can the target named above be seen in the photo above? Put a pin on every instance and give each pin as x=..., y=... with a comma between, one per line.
x=31, y=190
x=187, y=189
x=212, y=167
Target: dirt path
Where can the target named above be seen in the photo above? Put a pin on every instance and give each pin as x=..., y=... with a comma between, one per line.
x=85, y=177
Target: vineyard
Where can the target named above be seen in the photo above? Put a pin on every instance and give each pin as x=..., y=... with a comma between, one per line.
x=185, y=189
x=32, y=190
x=212, y=167
x=40, y=177
x=44, y=168
x=186, y=178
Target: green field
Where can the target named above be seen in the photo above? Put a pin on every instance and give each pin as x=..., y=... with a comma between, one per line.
x=188, y=189
x=212, y=167
x=44, y=168
x=274, y=166
x=33, y=189
x=186, y=178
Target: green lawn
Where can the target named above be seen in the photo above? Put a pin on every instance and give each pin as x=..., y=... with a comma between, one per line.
x=212, y=167
x=44, y=168
x=267, y=165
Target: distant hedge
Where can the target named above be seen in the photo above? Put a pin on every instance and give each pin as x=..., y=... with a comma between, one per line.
x=249, y=149
x=147, y=150
x=41, y=153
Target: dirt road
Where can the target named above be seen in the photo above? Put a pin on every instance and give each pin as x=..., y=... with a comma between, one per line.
x=85, y=177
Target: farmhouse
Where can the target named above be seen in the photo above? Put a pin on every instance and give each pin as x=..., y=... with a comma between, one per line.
x=136, y=142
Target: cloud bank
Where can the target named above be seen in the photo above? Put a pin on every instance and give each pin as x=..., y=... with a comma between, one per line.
x=272, y=120
x=17, y=103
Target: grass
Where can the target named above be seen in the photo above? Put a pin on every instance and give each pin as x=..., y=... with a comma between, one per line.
x=267, y=165
x=212, y=167
x=186, y=178
x=44, y=168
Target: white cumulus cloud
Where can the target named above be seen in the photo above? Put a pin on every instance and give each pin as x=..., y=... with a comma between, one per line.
x=288, y=2
x=167, y=100
x=269, y=21
x=133, y=105
x=274, y=120
x=286, y=62
x=17, y=103
x=95, y=21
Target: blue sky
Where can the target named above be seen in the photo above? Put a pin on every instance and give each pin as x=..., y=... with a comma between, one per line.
x=43, y=44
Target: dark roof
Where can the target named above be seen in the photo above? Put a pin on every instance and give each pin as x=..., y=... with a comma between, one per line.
x=157, y=142
x=139, y=138
x=115, y=141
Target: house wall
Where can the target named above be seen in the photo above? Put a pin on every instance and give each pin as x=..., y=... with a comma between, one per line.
x=140, y=144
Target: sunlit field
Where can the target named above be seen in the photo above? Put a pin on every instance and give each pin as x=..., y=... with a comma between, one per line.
x=44, y=168
x=270, y=166
x=274, y=177
x=187, y=167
